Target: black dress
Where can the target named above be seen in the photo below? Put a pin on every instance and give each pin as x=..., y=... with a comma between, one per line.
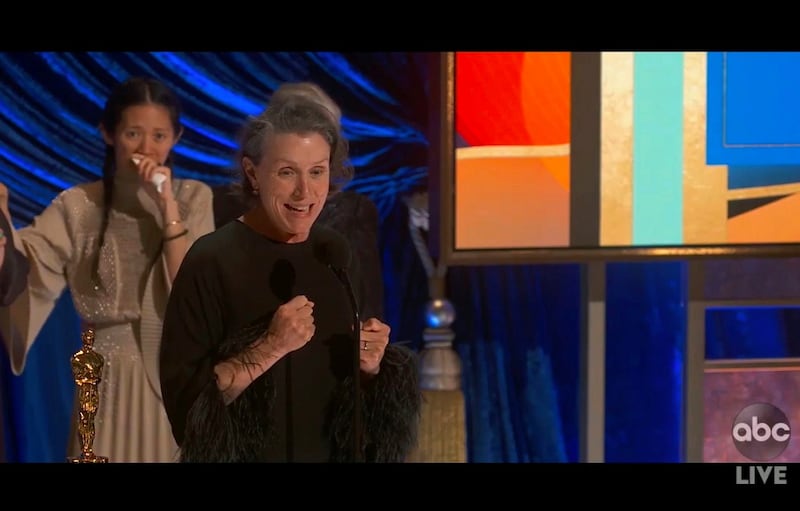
x=228, y=287
x=351, y=214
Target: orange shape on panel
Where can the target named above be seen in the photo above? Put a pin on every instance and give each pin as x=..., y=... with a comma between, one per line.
x=559, y=168
x=545, y=96
x=776, y=222
x=510, y=202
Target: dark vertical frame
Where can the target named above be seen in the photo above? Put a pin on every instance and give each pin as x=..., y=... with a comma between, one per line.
x=584, y=161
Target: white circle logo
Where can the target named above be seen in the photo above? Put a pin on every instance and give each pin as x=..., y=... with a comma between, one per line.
x=761, y=431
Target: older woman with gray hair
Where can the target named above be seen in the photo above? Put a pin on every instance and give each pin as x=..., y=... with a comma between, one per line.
x=264, y=356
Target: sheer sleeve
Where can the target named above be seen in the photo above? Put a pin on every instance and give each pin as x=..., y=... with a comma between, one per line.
x=201, y=217
x=48, y=245
x=195, y=203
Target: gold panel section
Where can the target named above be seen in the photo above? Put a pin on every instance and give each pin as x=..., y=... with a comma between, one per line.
x=616, y=149
x=442, y=432
x=763, y=191
x=705, y=187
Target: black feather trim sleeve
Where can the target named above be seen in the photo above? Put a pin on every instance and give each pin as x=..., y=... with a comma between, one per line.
x=240, y=431
x=391, y=409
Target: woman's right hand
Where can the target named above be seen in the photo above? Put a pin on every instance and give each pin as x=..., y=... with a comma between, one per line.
x=292, y=326
x=147, y=168
x=3, y=241
x=4, y=211
x=4, y=201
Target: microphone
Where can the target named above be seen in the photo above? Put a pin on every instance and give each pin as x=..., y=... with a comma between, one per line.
x=332, y=250
x=282, y=280
x=157, y=178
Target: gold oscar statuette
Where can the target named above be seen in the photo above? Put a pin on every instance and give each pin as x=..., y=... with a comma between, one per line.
x=87, y=369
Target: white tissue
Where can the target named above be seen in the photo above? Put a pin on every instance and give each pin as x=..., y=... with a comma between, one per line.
x=158, y=180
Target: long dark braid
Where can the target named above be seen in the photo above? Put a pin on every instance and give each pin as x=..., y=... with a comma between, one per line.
x=133, y=91
x=108, y=193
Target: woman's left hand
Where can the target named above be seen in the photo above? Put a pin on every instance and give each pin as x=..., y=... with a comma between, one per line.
x=148, y=168
x=374, y=339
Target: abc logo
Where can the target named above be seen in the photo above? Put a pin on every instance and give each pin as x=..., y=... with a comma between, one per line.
x=761, y=431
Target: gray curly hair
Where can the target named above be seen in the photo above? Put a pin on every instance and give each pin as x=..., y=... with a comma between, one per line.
x=301, y=107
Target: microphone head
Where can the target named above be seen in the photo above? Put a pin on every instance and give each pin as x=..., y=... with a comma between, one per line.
x=332, y=249
x=282, y=280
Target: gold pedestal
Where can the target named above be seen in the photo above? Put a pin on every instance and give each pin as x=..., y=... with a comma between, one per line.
x=87, y=369
x=442, y=432
x=88, y=459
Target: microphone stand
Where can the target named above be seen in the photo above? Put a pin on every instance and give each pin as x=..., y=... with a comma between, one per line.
x=358, y=451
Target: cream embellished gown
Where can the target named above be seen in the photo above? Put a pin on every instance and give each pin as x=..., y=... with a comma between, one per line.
x=125, y=303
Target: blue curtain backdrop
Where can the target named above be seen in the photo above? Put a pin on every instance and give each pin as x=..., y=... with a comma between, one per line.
x=517, y=327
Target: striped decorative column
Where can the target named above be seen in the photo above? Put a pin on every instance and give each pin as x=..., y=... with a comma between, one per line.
x=656, y=186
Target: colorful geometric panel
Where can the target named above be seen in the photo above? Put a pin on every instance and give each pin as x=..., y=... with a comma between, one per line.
x=677, y=149
x=512, y=98
x=777, y=221
x=527, y=206
x=512, y=165
x=753, y=107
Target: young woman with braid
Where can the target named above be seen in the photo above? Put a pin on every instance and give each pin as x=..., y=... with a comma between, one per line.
x=117, y=245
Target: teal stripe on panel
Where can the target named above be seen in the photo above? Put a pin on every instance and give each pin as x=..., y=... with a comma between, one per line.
x=658, y=148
